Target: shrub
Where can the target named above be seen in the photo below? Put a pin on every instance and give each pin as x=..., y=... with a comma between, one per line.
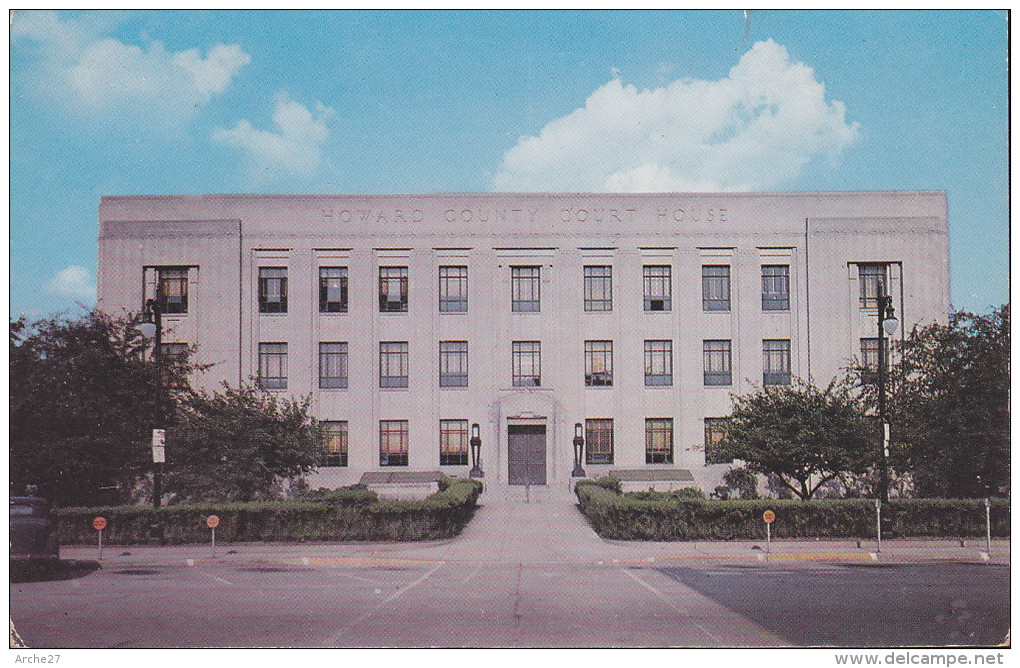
x=338, y=515
x=668, y=516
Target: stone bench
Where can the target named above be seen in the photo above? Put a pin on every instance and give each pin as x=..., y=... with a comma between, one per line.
x=658, y=480
x=409, y=485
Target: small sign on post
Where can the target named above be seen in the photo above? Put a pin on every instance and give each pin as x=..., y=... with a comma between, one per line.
x=159, y=446
x=212, y=523
x=99, y=524
x=769, y=518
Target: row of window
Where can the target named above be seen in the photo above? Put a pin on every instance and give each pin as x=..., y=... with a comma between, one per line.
x=526, y=364
x=453, y=441
x=172, y=288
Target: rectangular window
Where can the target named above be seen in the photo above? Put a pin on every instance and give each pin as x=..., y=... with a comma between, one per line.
x=172, y=367
x=453, y=442
x=392, y=442
x=659, y=440
x=718, y=360
x=453, y=289
x=658, y=363
x=332, y=289
x=272, y=289
x=453, y=364
x=715, y=434
x=715, y=287
x=527, y=364
x=598, y=288
x=333, y=435
x=526, y=289
x=172, y=289
x=658, y=286
x=332, y=366
x=598, y=442
x=393, y=289
x=873, y=278
x=598, y=363
x=393, y=364
x=273, y=366
x=776, y=361
x=775, y=287
x=869, y=358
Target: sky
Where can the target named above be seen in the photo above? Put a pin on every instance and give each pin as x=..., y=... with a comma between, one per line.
x=190, y=102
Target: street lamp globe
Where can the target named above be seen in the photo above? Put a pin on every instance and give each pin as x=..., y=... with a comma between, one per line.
x=890, y=324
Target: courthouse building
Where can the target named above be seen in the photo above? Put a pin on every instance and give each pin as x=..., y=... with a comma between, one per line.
x=409, y=318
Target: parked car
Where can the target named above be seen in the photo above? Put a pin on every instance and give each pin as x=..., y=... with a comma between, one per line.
x=33, y=533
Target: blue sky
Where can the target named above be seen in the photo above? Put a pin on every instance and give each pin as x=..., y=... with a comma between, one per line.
x=125, y=103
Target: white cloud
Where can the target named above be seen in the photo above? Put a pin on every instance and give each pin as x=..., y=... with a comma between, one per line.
x=94, y=74
x=74, y=282
x=754, y=129
x=293, y=149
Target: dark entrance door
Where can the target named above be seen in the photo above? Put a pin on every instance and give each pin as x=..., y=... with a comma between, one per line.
x=526, y=454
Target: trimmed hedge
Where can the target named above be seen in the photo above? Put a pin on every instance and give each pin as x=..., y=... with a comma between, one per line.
x=665, y=516
x=340, y=515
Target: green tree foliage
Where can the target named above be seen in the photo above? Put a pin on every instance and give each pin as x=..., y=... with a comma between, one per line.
x=803, y=435
x=83, y=402
x=236, y=444
x=949, y=406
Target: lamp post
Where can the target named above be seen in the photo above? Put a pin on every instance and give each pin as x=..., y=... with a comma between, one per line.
x=151, y=327
x=476, y=452
x=578, y=450
x=887, y=324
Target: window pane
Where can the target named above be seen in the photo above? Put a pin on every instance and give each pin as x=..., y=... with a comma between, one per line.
x=334, y=442
x=776, y=361
x=658, y=363
x=525, y=284
x=393, y=443
x=332, y=365
x=598, y=288
x=658, y=288
x=172, y=289
x=717, y=363
x=715, y=433
x=393, y=289
x=453, y=289
x=393, y=360
x=598, y=363
x=874, y=283
x=598, y=441
x=715, y=287
x=453, y=442
x=272, y=289
x=775, y=287
x=273, y=366
x=453, y=364
x=527, y=364
x=333, y=289
x=659, y=441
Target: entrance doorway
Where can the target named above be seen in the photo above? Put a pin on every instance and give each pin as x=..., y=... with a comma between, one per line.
x=526, y=454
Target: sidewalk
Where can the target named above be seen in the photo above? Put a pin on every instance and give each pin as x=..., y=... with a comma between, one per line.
x=550, y=530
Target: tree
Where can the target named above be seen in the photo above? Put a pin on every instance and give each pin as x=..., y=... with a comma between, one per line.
x=949, y=405
x=802, y=435
x=235, y=445
x=83, y=402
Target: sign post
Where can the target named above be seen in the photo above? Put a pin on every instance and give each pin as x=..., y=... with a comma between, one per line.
x=988, y=525
x=212, y=523
x=769, y=518
x=878, y=523
x=99, y=524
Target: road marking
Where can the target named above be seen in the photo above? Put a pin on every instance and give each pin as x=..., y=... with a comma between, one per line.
x=389, y=599
x=210, y=575
x=680, y=611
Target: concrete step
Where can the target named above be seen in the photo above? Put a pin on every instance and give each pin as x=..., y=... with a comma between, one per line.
x=557, y=494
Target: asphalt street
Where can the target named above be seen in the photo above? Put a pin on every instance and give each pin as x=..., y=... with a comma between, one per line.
x=521, y=575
